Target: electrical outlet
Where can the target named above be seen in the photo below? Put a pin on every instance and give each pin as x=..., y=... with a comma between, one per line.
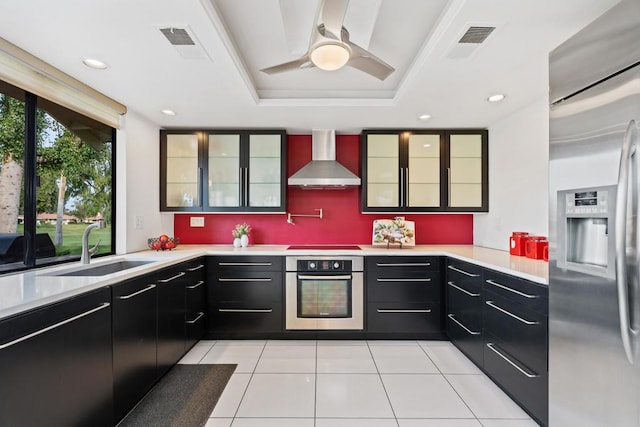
x=138, y=221
x=196, y=221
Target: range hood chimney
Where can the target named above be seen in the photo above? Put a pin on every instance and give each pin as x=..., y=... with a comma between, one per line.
x=323, y=171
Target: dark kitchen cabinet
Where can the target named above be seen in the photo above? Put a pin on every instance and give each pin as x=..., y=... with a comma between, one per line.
x=56, y=364
x=223, y=170
x=516, y=340
x=135, y=318
x=171, y=317
x=464, y=308
x=425, y=170
x=195, y=301
x=403, y=296
x=245, y=296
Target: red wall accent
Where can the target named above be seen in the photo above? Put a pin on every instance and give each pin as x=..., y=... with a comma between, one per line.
x=342, y=222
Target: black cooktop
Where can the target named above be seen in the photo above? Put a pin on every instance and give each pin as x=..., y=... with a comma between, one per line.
x=324, y=247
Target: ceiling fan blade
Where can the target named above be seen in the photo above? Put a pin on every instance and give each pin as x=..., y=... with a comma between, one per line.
x=364, y=60
x=296, y=64
x=332, y=16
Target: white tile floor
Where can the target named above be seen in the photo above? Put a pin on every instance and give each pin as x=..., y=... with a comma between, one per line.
x=354, y=384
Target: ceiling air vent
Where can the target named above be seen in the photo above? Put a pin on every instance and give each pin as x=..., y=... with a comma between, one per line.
x=177, y=36
x=184, y=42
x=470, y=41
x=476, y=35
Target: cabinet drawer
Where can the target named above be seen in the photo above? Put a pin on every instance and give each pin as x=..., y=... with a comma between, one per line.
x=465, y=305
x=467, y=337
x=464, y=275
x=401, y=266
x=226, y=264
x=195, y=296
x=519, y=331
x=535, y=296
x=526, y=385
x=250, y=287
x=194, y=327
x=397, y=288
x=404, y=317
x=246, y=318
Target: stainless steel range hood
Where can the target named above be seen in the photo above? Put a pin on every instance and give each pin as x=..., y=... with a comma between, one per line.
x=323, y=171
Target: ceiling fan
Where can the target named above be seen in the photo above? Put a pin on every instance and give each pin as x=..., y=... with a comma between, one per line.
x=331, y=49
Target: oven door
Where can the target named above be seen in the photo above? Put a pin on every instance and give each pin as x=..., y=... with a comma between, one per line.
x=324, y=301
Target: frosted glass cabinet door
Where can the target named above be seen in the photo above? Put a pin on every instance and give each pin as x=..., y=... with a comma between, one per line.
x=466, y=171
x=424, y=170
x=181, y=181
x=224, y=170
x=383, y=164
x=265, y=170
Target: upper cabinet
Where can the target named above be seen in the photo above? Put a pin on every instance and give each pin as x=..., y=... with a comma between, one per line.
x=425, y=171
x=223, y=171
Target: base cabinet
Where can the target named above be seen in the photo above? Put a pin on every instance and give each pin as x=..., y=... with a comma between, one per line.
x=195, y=302
x=135, y=319
x=56, y=364
x=245, y=296
x=403, y=296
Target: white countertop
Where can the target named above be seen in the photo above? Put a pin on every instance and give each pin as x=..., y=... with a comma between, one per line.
x=20, y=292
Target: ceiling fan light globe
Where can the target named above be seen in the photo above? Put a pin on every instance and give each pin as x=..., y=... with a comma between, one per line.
x=330, y=56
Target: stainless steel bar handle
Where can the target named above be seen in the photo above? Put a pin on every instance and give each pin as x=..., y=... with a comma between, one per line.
x=197, y=285
x=244, y=279
x=199, y=184
x=506, y=288
x=198, y=317
x=449, y=186
x=469, y=331
x=403, y=264
x=243, y=310
x=246, y=186
x=54, y=326
x=196, y=268
x=343, y=277
x=522, y=371
x=508, y=313
x=381, y=310
x=407, y=185
x=148, y=288
x=245, y=264
x=471, y=294
x=403, y=280
x=629, y=144
x=450, y=267
x=182, y=273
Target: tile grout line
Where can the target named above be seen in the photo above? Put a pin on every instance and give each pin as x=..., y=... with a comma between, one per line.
x=450, y=385
x=383, y=386
x=315, y=391
x=248, y=383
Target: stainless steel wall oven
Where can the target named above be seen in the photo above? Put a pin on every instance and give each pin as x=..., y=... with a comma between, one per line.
x=324, y=293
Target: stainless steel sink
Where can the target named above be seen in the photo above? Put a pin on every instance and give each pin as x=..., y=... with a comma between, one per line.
x=101, y=269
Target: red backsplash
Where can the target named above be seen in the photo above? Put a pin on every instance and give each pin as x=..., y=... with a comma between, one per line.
x=342, y=222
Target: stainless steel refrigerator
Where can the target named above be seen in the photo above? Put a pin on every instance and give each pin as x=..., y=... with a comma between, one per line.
x=594, y=155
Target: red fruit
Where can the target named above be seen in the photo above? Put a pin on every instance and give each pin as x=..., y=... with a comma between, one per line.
x=170, y=244
x=163, y=238
x=157, y=245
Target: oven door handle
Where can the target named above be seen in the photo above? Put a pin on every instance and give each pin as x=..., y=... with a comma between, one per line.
x=343, y=277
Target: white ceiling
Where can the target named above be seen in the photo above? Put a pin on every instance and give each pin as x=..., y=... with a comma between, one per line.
x=224, y=87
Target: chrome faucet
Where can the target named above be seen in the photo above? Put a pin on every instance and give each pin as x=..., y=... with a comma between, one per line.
x=86, y=252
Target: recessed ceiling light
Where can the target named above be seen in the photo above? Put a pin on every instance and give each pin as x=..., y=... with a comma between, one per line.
x=168, y=112
x=496, y=98
x=96, y=64
x=424, y=116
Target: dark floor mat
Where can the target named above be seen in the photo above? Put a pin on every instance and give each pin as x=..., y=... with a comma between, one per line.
x=184, y=397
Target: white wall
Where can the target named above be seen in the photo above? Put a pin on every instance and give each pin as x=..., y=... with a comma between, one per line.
x=138, y=184
x=518, y=177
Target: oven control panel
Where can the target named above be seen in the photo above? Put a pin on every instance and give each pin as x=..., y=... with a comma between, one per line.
x=324, y=265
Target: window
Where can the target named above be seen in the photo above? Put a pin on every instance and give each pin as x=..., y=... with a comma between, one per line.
x=64, y=163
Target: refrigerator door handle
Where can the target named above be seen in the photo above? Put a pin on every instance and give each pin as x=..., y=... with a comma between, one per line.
x=628, y=151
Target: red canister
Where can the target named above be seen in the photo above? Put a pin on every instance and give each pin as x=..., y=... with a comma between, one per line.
x=517, y=243
x=535, y=247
